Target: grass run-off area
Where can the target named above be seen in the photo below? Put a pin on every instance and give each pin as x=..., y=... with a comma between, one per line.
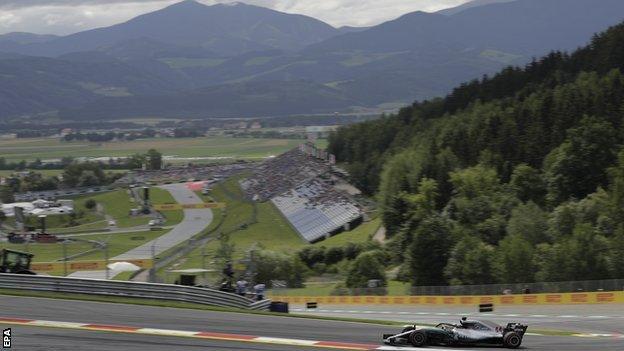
x=161, y=196
x=118, y=243
x=118, y=204
x=30, y=149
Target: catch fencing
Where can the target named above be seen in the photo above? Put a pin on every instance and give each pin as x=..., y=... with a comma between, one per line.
x=521, y=288
x=162, y=292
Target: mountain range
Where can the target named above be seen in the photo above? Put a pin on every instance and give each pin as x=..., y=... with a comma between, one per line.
x=226, y=29
x=239, y=60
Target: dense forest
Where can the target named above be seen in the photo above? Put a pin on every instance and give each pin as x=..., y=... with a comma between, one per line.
x=517, y=177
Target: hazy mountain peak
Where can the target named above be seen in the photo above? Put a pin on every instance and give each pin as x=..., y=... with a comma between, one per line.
x=416, y=16
x=188, y=3
x=233, y=3
x=471, y=4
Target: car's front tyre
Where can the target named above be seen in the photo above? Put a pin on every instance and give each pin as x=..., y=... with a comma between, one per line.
x=512, y=340
x=418, y=338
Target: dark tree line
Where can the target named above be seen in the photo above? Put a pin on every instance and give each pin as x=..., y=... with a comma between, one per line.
x=76, y=174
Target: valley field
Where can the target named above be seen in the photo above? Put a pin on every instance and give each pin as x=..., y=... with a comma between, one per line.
x=30, y=149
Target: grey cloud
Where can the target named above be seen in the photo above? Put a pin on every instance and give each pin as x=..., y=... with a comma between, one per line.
x=18, y=4
x=69, y=16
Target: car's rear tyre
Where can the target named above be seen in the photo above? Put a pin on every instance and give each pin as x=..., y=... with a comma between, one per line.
x=512, y=340
x=418, y=338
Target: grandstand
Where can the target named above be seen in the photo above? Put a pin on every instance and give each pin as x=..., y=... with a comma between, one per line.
x=301, y=187
x=282, y=173
x=316, y=210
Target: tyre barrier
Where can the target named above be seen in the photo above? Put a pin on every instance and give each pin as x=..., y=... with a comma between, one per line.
x=486, y=307
x=281, y=307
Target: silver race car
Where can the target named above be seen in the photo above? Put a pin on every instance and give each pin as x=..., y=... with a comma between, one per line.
x=467, y=332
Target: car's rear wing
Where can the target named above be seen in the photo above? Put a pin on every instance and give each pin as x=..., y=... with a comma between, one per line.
x=516, y=327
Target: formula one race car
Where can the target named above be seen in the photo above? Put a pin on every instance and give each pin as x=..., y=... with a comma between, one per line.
x=468, y=332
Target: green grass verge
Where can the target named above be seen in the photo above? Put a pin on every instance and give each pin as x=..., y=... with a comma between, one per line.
x=394, y=288
x=118, y=204
x=123, y=276
x=122, y=242
x=271, y=230
x=100, y=225
x=48, y=252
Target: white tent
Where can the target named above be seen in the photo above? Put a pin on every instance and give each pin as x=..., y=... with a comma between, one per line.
x=123, y=267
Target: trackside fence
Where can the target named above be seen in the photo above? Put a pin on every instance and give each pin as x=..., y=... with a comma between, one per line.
x=163, y=292
x=523, y=288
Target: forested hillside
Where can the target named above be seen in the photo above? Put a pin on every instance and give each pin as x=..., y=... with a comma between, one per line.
x=513, y=178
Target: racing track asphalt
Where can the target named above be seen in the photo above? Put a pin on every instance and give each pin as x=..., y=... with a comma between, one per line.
x=34, y=338
x=606, y=318
x=194, y=221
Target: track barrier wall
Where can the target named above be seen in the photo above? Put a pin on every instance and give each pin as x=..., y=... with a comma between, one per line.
x=602, y=297
x=165, y=292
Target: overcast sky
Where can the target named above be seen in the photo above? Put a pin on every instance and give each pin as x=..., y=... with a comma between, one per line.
x=69, y=16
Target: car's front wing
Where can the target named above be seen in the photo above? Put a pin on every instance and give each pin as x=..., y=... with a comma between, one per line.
x=394, y=339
